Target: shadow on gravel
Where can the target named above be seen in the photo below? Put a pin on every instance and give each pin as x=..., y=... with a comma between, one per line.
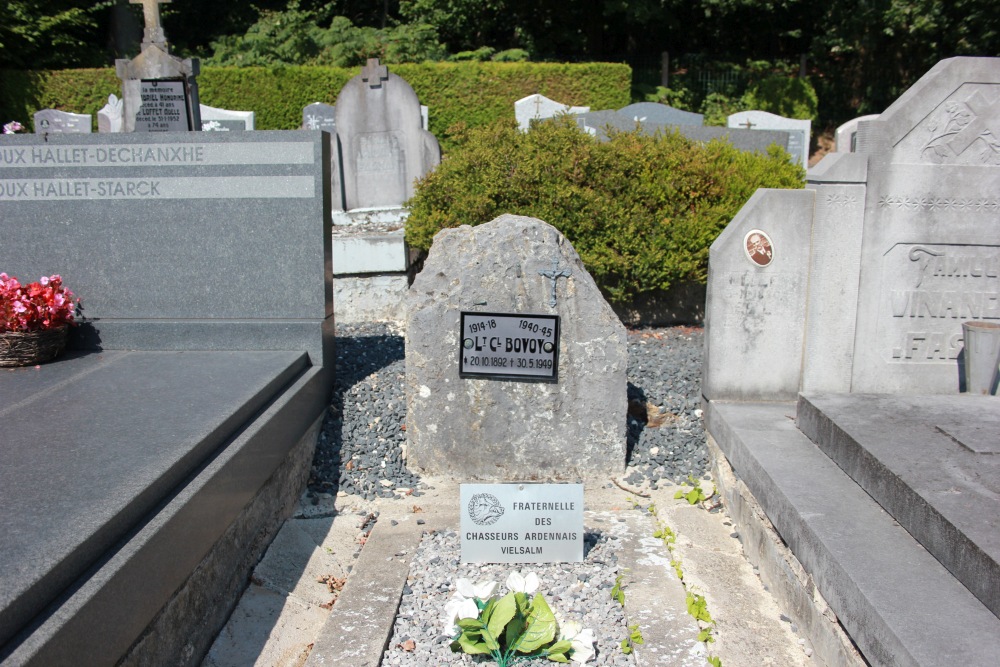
x=635, y=419
x=357, y=358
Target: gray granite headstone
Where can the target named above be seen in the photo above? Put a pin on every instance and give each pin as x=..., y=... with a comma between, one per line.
x=661, y=113
x=53, y=121
x=246, y=213
x=597, y=123
x=798, y=130
x=508, y=429
x=383, y=145
x=319, y=116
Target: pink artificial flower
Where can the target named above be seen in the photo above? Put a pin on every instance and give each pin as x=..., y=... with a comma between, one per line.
x=12, y=127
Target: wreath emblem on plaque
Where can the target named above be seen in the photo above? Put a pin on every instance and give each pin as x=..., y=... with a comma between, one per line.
x=485, y=509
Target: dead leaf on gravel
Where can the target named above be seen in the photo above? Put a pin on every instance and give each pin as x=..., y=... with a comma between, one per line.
x=417, y=508
x=409, y=645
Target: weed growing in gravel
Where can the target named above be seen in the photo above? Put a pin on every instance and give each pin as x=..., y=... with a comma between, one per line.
x=696, y=494
x=635, y=637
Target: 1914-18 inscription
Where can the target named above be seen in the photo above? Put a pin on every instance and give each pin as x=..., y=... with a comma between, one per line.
x=497, y=345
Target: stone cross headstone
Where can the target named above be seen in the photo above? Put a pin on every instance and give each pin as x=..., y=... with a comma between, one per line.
x=159, y=91
x=890, y=249
x=109, y=118
x=383, y=146
x=846, y=136
x=533, y=387
x=798, y=130
x=225, y=120
x=52, y=121
x=538, y=107
x=661, y=113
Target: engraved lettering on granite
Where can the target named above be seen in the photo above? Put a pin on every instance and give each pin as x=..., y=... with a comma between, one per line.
x=951, y=284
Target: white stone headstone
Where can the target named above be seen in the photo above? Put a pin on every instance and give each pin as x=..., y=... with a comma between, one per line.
x=53, y=121
x=383, y=146
x=536, y=107
x=901, y=246
x=516, y=426
x=846, y=135
x=109, y=118
x=798, y=130
x=224, y=120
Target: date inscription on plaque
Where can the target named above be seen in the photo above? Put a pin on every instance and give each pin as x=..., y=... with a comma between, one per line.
x=164, y=107
x=503, y=346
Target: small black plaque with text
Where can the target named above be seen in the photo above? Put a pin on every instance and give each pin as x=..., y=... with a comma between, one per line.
x=509, y=345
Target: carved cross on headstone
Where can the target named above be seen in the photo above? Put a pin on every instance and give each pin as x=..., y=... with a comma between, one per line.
x=153, y=34
x=748, y=124
x=987, y=120
x=538, y=106
x=554, y=274
x=374, y=73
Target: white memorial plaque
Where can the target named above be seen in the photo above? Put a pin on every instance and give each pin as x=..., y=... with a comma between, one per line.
x=496, y=345
x=164, y=107
x=522, y=523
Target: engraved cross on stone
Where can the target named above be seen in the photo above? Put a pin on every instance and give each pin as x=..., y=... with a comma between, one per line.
x=748, y=124
x=554, y=274
x=987, y=120
x=151, y=13
x=374, y=73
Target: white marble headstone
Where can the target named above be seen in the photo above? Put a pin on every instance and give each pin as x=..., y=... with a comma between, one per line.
x=535, y=107
x=224, y=120
x=798, y=130
x=53, y=121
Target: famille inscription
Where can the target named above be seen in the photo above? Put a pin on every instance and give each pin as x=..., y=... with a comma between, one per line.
x=951, y=284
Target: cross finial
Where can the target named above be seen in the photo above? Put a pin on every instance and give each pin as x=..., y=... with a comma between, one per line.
x=554, y=274
x=151, y=13
x=748, y=124
x=374, y=73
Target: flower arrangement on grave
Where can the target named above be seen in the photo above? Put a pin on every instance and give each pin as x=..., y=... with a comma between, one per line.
x=513, y=628
x=34, y=319
x=13, y=127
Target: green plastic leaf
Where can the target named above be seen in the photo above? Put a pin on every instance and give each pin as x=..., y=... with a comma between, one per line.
x=561, y=646
x=471, y=646
x=514, y=630
x=541, y=627
x=557, y=657
x=502, y=613
x=486, y=610
x=470, y=624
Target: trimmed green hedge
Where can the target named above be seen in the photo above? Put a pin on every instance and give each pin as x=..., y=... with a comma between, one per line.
x=476, y=93
x=641, y=211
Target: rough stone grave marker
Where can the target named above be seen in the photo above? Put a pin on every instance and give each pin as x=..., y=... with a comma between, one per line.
x=538, y=107
x=798, y=130
x=512, y=426
x=53, y=121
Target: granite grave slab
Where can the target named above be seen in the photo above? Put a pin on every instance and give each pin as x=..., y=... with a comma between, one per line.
x=798, y=130
x=225, y=120
x=664, y=114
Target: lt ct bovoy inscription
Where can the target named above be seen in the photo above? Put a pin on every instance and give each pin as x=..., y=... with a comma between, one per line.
x=509, y=345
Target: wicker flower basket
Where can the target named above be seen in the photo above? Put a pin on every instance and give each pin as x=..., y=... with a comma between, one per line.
x=26, y=348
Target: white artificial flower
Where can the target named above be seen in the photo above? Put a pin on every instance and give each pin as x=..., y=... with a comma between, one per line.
x=482, y=590
x=521, y=584
x=582, y=640
x=458, y=607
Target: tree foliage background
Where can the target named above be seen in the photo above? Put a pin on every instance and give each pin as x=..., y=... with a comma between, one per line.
x=859, y=54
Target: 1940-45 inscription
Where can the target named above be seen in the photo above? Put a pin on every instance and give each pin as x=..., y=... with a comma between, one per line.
x=498, y=345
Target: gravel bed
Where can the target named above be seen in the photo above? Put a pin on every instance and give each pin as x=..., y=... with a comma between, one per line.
x=576, y=591
x=360, y=448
